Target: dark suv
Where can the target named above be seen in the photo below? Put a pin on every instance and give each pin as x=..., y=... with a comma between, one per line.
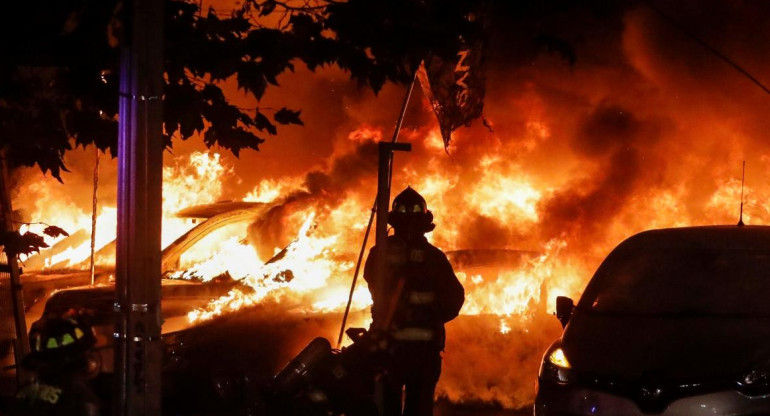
x=674, y=322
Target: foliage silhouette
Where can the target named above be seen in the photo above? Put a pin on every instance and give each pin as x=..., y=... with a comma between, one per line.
x=59, y=79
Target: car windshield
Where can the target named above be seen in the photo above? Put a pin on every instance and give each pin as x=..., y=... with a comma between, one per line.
x=682, y=281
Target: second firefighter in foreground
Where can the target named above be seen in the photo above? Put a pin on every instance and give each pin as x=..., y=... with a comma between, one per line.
x=419, y=295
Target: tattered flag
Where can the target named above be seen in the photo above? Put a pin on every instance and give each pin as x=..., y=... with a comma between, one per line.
x=454, y=87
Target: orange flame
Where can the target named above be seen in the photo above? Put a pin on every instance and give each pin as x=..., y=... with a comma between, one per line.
x=302, y=267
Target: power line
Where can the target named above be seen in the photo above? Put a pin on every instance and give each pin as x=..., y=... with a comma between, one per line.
x=708, y=47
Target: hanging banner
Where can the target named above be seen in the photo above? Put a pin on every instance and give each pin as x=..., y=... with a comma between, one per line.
x=455, y=88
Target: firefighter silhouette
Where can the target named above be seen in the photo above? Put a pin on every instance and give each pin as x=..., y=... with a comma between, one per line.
x=419, y=295
x=61, y=363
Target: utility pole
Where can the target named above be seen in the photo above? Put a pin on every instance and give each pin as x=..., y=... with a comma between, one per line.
x=21, y=346
x=94, y=206
x=138, y=351
x=386, y=150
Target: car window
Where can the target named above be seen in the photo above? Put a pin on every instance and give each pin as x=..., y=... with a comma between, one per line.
x=98, y=305
x=213, y=243
x=682, y=281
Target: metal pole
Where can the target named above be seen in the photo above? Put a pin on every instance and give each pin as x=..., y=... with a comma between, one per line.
x=381, y=224
x=21, y=346
x=355, y=276
x=381, y=227
x=93, y=215
x=140, y=163
x=396, y=131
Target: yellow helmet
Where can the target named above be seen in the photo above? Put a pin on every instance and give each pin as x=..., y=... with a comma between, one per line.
x=410, y=211
x=59, y=338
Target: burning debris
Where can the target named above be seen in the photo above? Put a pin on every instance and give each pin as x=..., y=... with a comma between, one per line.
x=298, y=268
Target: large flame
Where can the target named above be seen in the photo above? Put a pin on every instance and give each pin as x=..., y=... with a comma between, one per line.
x=189, y=180
x=302, y=267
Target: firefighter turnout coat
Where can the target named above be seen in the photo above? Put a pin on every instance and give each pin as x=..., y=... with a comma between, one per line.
x=421, y=292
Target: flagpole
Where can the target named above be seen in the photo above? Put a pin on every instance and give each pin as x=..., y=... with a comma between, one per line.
x=396, y=131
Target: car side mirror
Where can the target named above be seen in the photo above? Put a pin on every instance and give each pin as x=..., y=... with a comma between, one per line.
x=564, y=308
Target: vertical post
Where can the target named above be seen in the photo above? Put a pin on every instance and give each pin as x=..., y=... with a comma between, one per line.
x=383, y=200
x=21, y=346
x=140, y=164
x=93, y=214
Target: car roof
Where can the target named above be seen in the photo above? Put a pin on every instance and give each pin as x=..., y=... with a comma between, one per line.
x=724, y=237
x=104, y=294
x=717, y=237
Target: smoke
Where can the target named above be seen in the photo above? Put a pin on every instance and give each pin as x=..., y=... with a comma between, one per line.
x=483, y=231
x=614, y=140
x=349, y=171
x=322, y=190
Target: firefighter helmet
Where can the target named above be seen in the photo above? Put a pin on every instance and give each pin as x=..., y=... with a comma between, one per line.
x=59, y=339
x=411, y=211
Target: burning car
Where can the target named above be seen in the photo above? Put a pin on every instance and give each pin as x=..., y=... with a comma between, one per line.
x=673, y=322
x=56, y=290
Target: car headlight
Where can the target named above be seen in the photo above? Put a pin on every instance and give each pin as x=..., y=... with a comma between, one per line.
x=556, y=367
x=755, y=382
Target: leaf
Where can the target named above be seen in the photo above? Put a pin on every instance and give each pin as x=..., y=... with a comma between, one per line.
x=233, y=139
x=54, y=231
x=286, y=116
x=30, y=242
x=304, y=26
x=27, y=243
x=263, y=123
x=74, y=99
x=252, y=79
x=267, y=7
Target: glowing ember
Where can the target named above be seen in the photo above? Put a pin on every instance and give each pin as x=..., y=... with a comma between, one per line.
x=504, y=328
x=365, y=134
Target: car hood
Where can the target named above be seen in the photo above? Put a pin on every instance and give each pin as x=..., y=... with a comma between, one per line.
x=675, y=348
